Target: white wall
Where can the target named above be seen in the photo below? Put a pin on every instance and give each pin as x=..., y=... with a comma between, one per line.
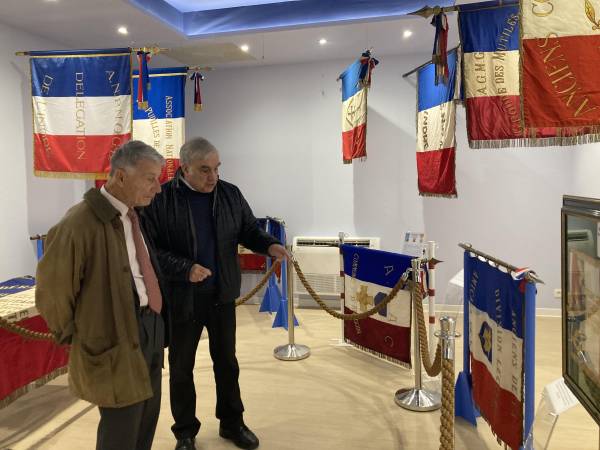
x=586, y=176
x=278, y=129
x=28, y=205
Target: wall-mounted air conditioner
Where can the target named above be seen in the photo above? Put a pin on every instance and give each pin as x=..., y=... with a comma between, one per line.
x=319, y=259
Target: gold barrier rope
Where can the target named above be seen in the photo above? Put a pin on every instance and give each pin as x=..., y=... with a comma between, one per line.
x=261, y=283
x=432, y=368
x=354, y=316
x=447, y=412
x=30, y=334
x=25, y=332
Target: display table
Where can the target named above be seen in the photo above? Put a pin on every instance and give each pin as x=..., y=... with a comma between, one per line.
x=25, y=363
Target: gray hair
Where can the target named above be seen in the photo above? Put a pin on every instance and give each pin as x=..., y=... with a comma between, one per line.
x=196, y=148
x=130, y=153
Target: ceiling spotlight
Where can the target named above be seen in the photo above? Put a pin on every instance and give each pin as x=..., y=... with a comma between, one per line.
x=322, y=41
x=407, y=34
x=122, y=30
x=244, y=47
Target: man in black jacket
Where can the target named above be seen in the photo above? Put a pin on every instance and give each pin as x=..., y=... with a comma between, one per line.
x=197, y=222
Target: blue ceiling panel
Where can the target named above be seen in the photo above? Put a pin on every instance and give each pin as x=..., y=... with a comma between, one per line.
x=273, y=15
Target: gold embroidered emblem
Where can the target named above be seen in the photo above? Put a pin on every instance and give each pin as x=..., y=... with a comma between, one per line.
x=590, y=12
x=364, y=299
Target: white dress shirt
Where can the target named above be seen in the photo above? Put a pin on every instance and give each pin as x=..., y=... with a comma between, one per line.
x=138, y=279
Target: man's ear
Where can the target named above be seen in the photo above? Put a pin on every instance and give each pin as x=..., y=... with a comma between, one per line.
x=119, y=176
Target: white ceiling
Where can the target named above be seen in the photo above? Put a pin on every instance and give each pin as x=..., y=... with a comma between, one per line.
x=93, y=24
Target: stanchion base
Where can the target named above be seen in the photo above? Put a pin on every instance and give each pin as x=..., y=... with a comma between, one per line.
x=291, y=352
x=418, y=399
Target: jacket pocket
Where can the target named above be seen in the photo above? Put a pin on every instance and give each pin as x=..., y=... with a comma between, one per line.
x=92, y=374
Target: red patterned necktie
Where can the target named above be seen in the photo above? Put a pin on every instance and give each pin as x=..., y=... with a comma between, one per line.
x=143, y=258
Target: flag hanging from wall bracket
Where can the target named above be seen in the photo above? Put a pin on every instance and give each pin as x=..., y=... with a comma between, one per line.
x=81, y=110
x=490, y=39
x=356, y=81
x=162, y=123
x=436, y=124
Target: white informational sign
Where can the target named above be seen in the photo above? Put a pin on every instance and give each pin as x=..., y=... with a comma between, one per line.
x=414, y=244
x=559, y=396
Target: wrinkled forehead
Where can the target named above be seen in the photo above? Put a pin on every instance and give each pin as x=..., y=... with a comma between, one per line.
x=145, y=166
x=211, y=161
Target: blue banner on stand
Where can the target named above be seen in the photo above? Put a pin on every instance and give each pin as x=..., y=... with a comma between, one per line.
x=498, y=376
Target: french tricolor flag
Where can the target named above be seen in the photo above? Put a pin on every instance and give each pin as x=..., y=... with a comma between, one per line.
x=491, y=61
x=436, y=124
x=356, y=80
x=81, y=110
x=369, y=276
x=496, y=342
x=162, y=123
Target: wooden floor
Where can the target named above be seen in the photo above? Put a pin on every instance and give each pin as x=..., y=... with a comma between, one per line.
x=338, y=398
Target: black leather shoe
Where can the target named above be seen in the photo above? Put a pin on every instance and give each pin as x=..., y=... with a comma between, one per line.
x=241, y=436
x=185, y=444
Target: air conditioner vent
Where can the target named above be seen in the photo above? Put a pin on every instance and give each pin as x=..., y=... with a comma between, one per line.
x=319, y=259
x=333, y=242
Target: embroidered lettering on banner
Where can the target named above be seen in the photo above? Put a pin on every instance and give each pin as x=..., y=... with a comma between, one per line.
x=500, y=72
x=562, y=78
x=424, y=130
x=80, y=143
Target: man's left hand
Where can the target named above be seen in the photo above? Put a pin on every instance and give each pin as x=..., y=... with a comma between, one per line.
x=279, y=252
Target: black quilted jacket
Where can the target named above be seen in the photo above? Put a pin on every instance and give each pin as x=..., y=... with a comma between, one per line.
x=169, y=220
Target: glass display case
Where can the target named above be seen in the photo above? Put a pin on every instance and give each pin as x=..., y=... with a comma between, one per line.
x=581, y=300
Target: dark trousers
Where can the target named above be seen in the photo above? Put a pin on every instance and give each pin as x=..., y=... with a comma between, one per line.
x=132, y=427
x=219, y=321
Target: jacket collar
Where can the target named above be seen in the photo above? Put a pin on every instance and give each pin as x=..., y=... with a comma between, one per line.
x=100, y=205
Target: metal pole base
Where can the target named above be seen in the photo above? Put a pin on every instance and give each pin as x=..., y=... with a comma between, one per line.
x=291, y=352
x=418, y=399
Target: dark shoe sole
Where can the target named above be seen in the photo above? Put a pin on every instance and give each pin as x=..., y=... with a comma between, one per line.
x=229, y=436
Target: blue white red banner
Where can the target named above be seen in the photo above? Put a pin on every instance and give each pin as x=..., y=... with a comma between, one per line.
x=81, y=110
x=356, y=80
x=436, y=125
x=369, y=275
x=162, y=123
x=491, y=61
x=496, y=314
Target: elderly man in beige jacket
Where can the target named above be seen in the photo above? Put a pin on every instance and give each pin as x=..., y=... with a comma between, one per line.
x=98, y=290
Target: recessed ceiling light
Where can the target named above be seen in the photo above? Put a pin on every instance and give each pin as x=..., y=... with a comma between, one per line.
x=244, y=47
x=407, y=34
x=322, y=41
x=122, y=30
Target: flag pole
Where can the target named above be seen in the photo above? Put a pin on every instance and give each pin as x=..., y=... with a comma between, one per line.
x=416, y=69
x=341, y=342
x=530, y=276
x=428, y=11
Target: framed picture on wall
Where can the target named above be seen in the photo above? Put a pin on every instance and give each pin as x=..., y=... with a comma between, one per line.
x=580, y=268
